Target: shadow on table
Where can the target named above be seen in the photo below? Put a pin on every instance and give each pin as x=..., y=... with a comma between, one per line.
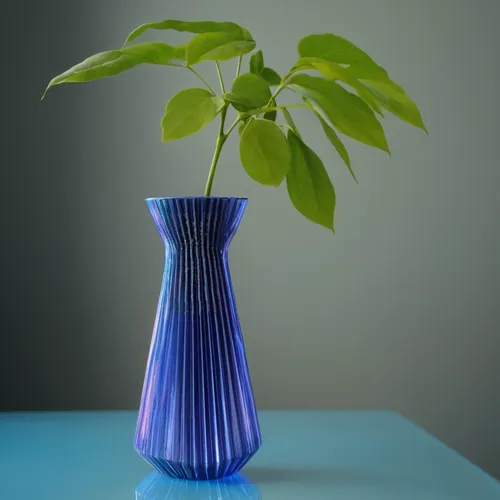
x=158, y=487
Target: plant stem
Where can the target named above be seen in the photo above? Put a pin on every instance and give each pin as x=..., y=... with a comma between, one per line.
x=273, y=97
x=221, y=80
x=231, y=128
x=238, y=68
x=221, y=139
x=276, y=108
x=291, y=123
x=281, y=87
x=201, y=78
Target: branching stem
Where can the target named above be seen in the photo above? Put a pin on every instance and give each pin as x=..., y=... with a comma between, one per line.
x=238, y=68
x=201, y=78
x=221, y=80
x=221, y=139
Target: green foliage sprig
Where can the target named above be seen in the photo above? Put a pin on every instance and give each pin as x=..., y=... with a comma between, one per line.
x=346, y=93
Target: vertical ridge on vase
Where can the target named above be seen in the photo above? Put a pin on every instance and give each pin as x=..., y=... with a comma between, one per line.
x=197, y=418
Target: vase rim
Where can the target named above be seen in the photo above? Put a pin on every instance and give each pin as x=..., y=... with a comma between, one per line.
x=157, y=198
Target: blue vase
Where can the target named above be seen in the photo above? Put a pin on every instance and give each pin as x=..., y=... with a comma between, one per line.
x=197, y=418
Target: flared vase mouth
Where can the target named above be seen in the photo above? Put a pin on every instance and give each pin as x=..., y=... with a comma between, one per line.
x=195, y=220
x=180, y=198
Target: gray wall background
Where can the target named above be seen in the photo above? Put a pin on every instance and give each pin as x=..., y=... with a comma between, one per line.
x=397, y=310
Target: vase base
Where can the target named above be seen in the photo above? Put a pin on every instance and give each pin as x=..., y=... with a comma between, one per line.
x=200, y=472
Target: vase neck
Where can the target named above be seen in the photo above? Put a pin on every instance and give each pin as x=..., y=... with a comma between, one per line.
x=205, y=221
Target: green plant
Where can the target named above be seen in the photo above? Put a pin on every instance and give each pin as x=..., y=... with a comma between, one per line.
x=347, y=95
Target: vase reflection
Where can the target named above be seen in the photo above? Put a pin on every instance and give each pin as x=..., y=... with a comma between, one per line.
x=159, y=487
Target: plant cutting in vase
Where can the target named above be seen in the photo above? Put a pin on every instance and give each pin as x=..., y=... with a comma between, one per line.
x=197, y=417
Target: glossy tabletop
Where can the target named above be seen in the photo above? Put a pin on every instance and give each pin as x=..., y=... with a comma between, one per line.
x=305, y=455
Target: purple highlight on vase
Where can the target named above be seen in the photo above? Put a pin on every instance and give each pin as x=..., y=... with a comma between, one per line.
x=197, y=418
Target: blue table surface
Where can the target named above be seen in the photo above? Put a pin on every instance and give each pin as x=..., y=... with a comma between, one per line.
x=306, y=455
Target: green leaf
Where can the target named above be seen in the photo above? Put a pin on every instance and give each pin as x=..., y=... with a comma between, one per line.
x=239, y=103
x=252, y=89
x=190, y=27
x=243, y=124
x=329, y=69
x=367, y=96
x=264, y=152
x=335, y=48
x=271, y=77
x=333, y=138
x=113, y=62
x=290, y=122
x=257, y=63
x=179, y=53
x=218, y=101
x=189, y=111
x=396, y=102
x=334, y=71
x=339, y=50
x=338, y=145
x=217, y=47
x=241, y=127
x=271, y=115
x=303, y=65
x=346, y=111
x=308, y=184
x=364, y=71
x=390, y=95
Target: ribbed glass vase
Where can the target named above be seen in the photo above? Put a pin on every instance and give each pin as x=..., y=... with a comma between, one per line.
x=197, y=417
